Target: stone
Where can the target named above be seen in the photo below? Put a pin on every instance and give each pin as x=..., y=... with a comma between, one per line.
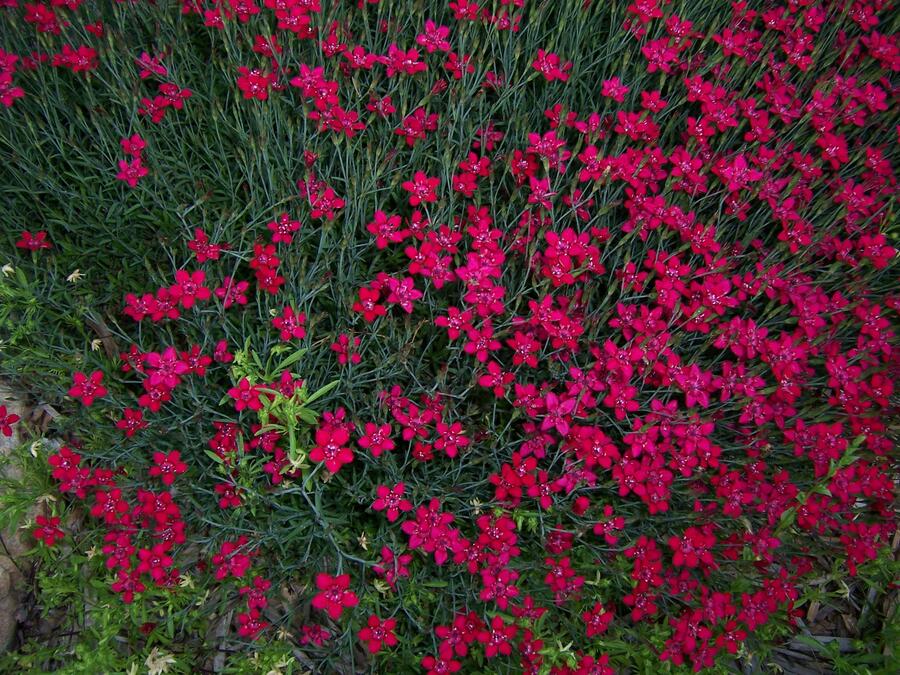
x=13, y=545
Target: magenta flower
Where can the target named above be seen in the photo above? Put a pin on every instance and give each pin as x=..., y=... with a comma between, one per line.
x=334, y=595
x=86, y=388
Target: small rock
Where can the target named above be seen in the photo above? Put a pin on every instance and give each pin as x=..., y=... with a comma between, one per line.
x=14, y=544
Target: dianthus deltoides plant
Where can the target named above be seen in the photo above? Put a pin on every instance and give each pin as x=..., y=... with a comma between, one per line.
x=473, y=336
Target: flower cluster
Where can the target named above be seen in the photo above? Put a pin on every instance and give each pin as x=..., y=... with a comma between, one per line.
x=605, y=333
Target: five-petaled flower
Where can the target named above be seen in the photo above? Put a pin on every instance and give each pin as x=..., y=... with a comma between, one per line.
x=33, y=242
x=291, y=324
x=422, y=188
x=378, y=634
x=86, y=388
x=47, y=530
x=246, y=395
x=334, y=595
x=166, y=466
x=377, y=438
x=254, y=83
x=331, y=447
x=7, y=419
x=392, y=501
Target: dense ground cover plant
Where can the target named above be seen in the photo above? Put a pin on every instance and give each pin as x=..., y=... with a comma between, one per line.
x=505, y=336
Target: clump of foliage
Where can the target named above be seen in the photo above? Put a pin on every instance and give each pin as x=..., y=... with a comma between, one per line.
x=500, y=336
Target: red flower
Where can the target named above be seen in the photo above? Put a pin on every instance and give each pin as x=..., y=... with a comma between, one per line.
x=597, y=619
x=693, y=548
x=203, y=249
x=167, y=466
x=558, y=413
x=334, y=596
x=150, y=65
x=497, y=379
x=128, y=583
x=614, y=89
x=345, y=348
x=421, y=188
x=9, y=93
x=246, y=395
x=231, y=560
x=283, y=229
x=499, y=587
x=133, y=146
x=254, y=83
x=232, y=292
x=378, y=634
x=132, y=171
x=451, y=438
x=440, y=665
x=110, y=505
x=173, y=95
x=87, y=388
x=6, y=421
x=313, y=634
x=400, y=61
x=434, y=38
x=459, y=65
x=256, y=595
x=387, y=229
x=188, y=288
x=431, y=531
x=368, y=304
x=609, y=525
x=562, y=579
x=195, y=361
x=221, y=353
x=550, y=66
x=391, y=566
x=33, y=242
x=166, y=368
x=497, y=637
x=391, y=499
x=401, y=292
x=330, y=447
x=229, y=495
x=154, y=395
x=251, y=625
x=78, y=60
x=382, y=107
x=834, y=149
x=529, y=610
x=377, y=439
x=456, y=322
x=47, y=530
x=290, y=323
x=155, y=561
x=481, y=342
